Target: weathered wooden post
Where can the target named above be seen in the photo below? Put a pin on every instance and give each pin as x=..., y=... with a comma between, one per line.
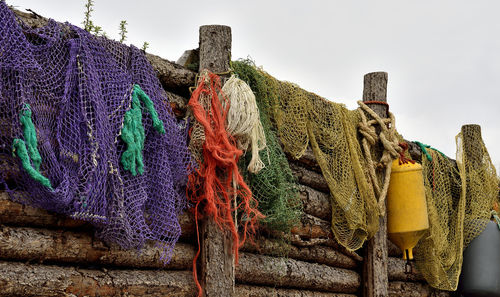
x=217, y=259
x=375, y=277
x=471, y=137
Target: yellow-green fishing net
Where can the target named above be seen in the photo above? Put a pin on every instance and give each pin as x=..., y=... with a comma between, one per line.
x=460, y=197
x=302, y=119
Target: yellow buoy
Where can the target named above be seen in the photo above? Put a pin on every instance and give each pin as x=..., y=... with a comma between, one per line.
x=406, y=207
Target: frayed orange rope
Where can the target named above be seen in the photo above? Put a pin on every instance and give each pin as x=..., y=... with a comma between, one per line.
x=211, y=186
x=402, y=157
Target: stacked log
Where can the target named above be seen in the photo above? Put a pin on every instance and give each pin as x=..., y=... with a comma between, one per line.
x=307, y=262
x=46, y=254
x=407, y=281
x=19, y=279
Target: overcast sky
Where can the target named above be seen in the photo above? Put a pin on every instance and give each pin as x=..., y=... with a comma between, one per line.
x=442, y=56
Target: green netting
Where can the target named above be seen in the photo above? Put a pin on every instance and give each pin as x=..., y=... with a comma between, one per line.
x=274, y=186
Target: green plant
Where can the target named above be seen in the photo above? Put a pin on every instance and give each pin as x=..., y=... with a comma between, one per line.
x=123, y=31
x=97, y=30
x=87, y=22
x=89, y=26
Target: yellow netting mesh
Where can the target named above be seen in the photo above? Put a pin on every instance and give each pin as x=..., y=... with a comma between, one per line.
x=460, y=197
x=304, y=118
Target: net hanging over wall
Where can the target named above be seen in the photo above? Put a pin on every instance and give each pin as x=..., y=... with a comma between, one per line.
x=274, y=186
x=91, y=134
x=460, y=196
x=302, y=119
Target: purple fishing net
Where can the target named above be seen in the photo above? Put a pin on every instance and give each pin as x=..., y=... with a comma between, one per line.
x=79, y=88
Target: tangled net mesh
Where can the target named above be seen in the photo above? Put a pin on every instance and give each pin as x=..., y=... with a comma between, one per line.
x=460, y=197
x=275, y=186
x=302, y=119
x=78, y=88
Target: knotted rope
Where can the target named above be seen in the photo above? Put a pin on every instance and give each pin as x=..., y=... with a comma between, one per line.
x=392, y=150
x=243, y=121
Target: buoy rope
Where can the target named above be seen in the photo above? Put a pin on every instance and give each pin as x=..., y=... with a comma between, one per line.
x=392, y=149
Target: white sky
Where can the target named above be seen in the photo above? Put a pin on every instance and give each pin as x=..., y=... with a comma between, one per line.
x=443, y=57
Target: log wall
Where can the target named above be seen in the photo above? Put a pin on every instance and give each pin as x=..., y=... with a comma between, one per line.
x=45, y=254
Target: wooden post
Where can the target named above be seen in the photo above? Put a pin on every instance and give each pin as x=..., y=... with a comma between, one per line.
x=217, y=259
x=375, y=278
x=472, y=140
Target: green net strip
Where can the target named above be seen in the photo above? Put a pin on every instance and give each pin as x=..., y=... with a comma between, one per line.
x=274, y=186
x=132, y=132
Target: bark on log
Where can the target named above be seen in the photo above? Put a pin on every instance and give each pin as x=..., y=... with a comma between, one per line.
x=40, y=245
x=17, y=279
x=375, y=268
x=172, y=76
x=311, y=227
x=310, y=242
x=314, y=254
x=471, y=137
x=215, y=48
x=407, y=289
x=396, y=269
x=308, y=160
x=281, y=272
x=178, y=104
x=217, y=259
x=310, y=178
x=255, y=291
x=316, y=203
x=17, y=214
